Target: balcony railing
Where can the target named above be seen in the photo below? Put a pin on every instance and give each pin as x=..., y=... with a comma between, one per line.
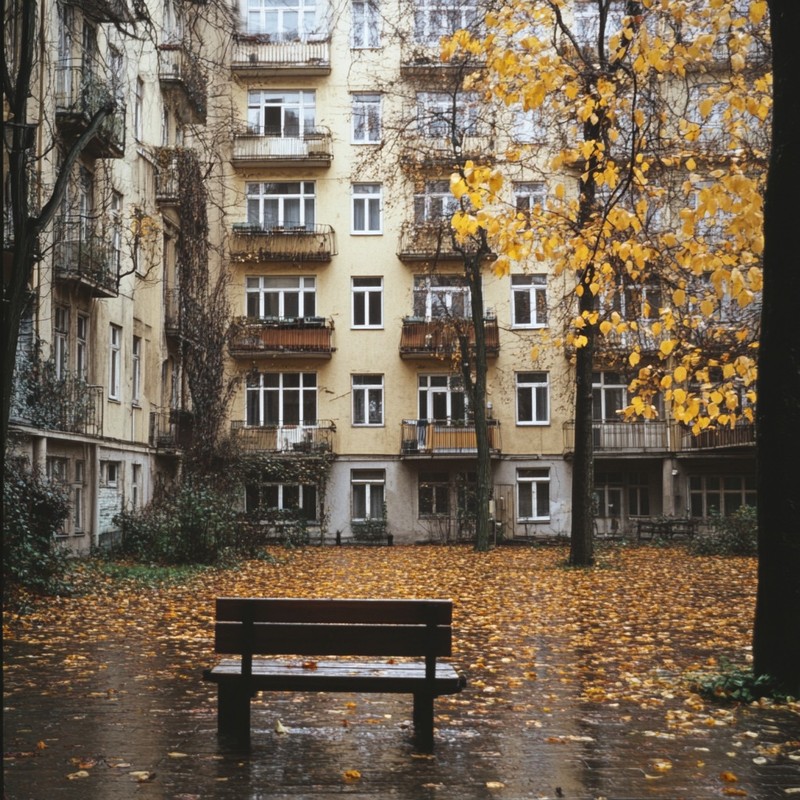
x=305, y=439
x=308, y=337
x=421, y=437
x=439, y=338
x=179, y=68
x=82, y=91
x=658, y=436
x=257, y=56
x=429, y=241
x=66, y=404
x=166, y=179
x=105, y=10
x=172, y=312
x=85, y=256
x=170, y=431
x=313, y=149
x=438, y=151
x=253, y=243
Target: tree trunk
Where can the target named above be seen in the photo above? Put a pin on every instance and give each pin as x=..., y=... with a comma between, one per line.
x=581, y=536
x=776, y=636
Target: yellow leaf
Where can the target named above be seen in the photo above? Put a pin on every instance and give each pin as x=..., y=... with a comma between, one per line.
x=679, y=297
x=667, y=346
x=633, y=359
x=728, y=777
x=351, y=775
x=680, y=374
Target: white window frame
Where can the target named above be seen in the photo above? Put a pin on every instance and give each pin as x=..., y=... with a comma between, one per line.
x=435, y=204
x=367, y=391
x=138, y=110
x=607, y=388
x=435, y=389
x=367, y=208
x=702, y=492
x=366, y=118
x=439, y=296
x=367, y=302
x=82, y=346
x=530, y=290
x=137, y=354
x=436, y=18
x=535, y=481
x=283, y=292
x=78, y=496
x=291, y=21
x=296, y=110
x=111, y=474
x=535, y=386
x=439, y=112
x=136, y=486
x=279, y=386
x=61, y=341
x=269, y=202
x=365, y=25
x=114, y=361
x=284, y=496
x=366, y=481
x=433, y=495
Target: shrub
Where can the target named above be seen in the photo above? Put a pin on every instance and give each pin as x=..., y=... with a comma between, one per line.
x=194, y=524
x=736, y=684
x=34, y=511
x=734, y=535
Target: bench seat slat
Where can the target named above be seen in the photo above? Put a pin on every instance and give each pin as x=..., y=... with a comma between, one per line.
x=339, y=676
x=391, y=611
x=328, y=639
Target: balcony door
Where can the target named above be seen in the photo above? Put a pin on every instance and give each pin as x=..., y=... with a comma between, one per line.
x=442, y=399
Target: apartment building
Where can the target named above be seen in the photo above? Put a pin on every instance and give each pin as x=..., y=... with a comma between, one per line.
x=324, y=132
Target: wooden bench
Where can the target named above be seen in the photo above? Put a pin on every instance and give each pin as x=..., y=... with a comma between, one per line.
x=390, y=629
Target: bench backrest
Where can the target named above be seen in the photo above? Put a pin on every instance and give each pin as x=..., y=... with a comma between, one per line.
x=271, y=626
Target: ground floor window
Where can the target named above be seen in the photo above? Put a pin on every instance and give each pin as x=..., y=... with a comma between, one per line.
x=533, y=494
x=367, y=487
x=266, y=497
x=711, y=495
x=608, y=494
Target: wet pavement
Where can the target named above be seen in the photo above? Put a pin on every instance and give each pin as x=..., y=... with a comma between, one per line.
x=125, y=715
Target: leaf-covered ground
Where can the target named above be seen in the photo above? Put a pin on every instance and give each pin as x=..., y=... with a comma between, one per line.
x=564, y=665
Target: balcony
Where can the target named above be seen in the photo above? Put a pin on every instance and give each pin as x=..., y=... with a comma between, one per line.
x=254, y=149
x=172, y=313
x=85, y=256
x=180, y=73
x=115, y=11
x=438, y=338
x=308, y=337
x=67, y=404
x=298, y=440
x=255, y=244
x=442, y=437
x=438, y=151
x=166, y=179
x=258, y=57
x=82, y=91
x=170, y=431
x=743, y=435
x=429, y=241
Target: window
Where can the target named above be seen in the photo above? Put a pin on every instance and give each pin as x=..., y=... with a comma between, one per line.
x=720, y=494
x=440, y=114
x=527, y=196
x=366, y=24
x=441, y=297
x=367, y=399
x=367, y=302
x=136, y=486
x=529, y=301
x=114, y=361
x=61, y=341
x=529, y=126
x=116, y=232
x=586, y=26
x=609, y=396
x=138, y=110
x=136, y=370
x=57, y=469
x=110, y=473
x=366, y=118
x=366, y=208
x=533, y=494
x=286, y=114
x=282, y=398
x=441, y=398
x=283, y=20
x=638, y=495
x=82, y=347
x=608, y=494
x=291, y=497
x=434, y=494
x=367, y=492
x=436, y=18
x=435, y=204
x=280, y=297
x=78, y=495
x=533, y=398
x=286, y=204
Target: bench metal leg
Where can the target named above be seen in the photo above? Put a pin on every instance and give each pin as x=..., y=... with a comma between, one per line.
x=423, y=721
x=233, y=712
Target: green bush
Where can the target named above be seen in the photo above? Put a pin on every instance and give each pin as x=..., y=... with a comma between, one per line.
x=34, y=511
x=195, y=523
x=737, y=685
x=734, y=535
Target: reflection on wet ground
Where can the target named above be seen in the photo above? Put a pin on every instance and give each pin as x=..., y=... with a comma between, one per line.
x=123, y=713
